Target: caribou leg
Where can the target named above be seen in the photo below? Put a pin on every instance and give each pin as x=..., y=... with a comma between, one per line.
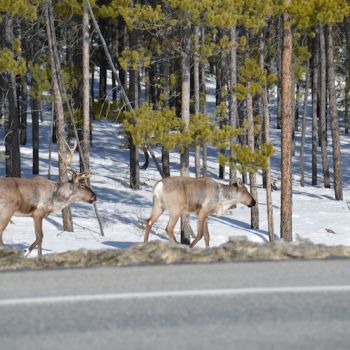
x=5, y=218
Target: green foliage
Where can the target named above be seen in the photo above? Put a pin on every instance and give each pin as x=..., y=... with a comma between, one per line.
x=149, y=126
x=132, y=59
x=23, y=8
x=246, y=160
x=307, y=14
x=252, y=73
x=10, y=63
x=41, y=77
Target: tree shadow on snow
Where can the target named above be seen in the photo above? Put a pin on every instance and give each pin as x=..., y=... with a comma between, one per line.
x=243, y=226
x=119, y=245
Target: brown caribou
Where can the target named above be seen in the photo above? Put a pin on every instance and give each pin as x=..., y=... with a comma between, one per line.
x=38, y=198
x=181, y=195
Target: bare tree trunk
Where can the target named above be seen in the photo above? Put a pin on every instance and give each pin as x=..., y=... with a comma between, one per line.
x=12, y=148
x=347, y=87
x=286, y=130
x=165, y=90
x=337, y=165
x=35, y=104
x=134, y=100
x=346, y=104
x=303, y=126
x=185, y=115
x=323, y=109
x=233, y=111
x=66, y=213
x=279, y=68
x=266, y=139
x=24, y=110
x=85, y=96
x=252, y=176
x=315, y=80
x=203, y=107
x=220, y=99
x=196, y=95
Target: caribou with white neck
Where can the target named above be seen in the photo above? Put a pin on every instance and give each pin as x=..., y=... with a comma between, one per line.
x=180, y=195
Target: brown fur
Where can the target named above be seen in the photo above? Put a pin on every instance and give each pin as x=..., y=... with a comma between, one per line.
x=39, y=197
x=204, y=196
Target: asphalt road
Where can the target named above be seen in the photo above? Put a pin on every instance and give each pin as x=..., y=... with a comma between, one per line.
x=261, y=305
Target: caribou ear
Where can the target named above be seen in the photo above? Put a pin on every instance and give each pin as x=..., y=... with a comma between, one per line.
x=75, y=177
x=238, y=182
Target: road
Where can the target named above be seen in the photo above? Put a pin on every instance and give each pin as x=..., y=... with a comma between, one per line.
x=248, y=305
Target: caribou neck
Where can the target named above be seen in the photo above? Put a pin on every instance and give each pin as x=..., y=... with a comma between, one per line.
x=62, y=196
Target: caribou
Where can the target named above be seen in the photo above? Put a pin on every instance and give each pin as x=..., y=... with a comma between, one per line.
x=180, y=195
x=39, y=197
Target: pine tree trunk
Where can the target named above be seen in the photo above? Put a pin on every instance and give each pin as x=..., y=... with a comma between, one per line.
x=103, y=72
x=203, y=106
x=279, y=68
x=12, y=149
x=122, y=34
x=347, y=86
x=337, y=165
x=266, y=139
x=323, y=109
x=35, y=104
x=286, y=130
x=66, y=213
x=185, y=115
x=233, y=110
x=134, y=100
x=197, y=154
x=23, y=114
x=303, y=126
x=220, y=98
x=165, y=90
x=346, y=104
x=252, y=176
x=85, y=95
x=315, y=81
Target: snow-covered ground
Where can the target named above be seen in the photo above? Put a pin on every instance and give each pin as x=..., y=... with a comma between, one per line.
x=316, y=215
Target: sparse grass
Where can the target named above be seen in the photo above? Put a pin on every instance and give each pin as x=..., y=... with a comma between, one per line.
x=158, y=252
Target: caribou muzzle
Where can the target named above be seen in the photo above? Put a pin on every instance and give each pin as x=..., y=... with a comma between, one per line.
x=252, y=203
x=92, y=198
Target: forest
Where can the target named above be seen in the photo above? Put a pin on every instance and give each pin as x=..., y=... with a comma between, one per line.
x=163, y=58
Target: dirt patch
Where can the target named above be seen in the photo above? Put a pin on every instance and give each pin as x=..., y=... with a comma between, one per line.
x=158, y=252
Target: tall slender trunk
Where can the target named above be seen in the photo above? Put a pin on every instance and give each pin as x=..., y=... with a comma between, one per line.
x=286, y=130
x=12, y=148
x=24, y=110
x=134, y=100
x=337, y=165
x=35, y=109
x=315, y=80
x=203, y=106
x=279, y=68
x=266, y=139
x=165, y=90
x=185, y=115
x=347, y=87
x=103, y=70
x=233, y=110
x=252, y=176
x=303, y=126
x=196, y=95
x=323, y=109
x=66, y=213
x=85, y=86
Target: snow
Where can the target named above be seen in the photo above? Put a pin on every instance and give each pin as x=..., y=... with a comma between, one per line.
x=316, y=215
